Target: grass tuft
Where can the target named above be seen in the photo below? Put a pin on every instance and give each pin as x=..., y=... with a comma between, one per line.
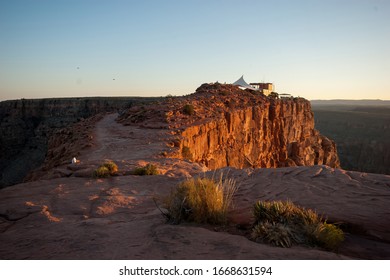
x=149, y=169
x=111, y=166
x=201, y=200
x=101, y=172
x=283, y=224
x=274, y=233
x=328, y=236
x=105, y=170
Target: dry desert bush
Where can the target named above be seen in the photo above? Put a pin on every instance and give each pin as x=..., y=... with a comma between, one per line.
x=283, y=223
x=105, y=170
x=201, y=200
x=101, y=172
x=149, y=169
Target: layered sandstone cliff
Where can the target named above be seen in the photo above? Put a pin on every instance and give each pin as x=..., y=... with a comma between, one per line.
x=221, y=125
x=280, y=133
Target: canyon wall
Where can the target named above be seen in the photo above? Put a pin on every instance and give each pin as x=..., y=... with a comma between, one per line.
x=278, y=133
x=221, y=125
x=27, y=124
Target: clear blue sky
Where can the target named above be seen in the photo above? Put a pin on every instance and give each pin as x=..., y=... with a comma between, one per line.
x=324, y=49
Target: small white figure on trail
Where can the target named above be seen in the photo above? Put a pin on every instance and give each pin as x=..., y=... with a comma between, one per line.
x=74, y=160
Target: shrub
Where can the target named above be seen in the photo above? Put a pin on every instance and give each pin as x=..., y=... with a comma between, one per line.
x=283, y=212
x=328, y=236
x=188, y=109
x=273, y=233
x=186, y=153
x=102, y=172
x=149, y=169
x=201, y=200
x=111, y=166
x=283, y=224
x=105, y=170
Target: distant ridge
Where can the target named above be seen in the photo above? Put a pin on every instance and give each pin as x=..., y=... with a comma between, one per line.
x=361, y=130
x=362, y=102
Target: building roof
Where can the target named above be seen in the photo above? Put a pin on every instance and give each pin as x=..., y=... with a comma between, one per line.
x=241, y=83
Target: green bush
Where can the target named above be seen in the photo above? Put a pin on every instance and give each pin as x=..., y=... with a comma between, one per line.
x=111, y=166
x=149, y=169
x=101, y=172
x=201, y=200
x=328, y=236
x=188, y=109
x=105, y=170
x=283, y=224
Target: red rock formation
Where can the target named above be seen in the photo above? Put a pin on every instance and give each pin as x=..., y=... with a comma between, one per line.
x=231, y=127
x=280, y=133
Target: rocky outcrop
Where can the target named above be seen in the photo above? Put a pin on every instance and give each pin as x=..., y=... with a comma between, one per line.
x=277, y=134
x=26, y=126
x=221, y=125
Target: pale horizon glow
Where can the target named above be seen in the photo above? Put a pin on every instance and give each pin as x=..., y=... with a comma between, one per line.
x=335, y=49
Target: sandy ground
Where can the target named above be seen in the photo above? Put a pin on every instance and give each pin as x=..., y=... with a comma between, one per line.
x=116, y=218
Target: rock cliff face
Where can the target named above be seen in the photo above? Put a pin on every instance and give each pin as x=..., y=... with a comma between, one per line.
x=26, y=125
x=218, y=126
x=278, y=134
x=221, y=125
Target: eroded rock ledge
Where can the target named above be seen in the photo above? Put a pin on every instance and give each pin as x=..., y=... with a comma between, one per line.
x=221, y=125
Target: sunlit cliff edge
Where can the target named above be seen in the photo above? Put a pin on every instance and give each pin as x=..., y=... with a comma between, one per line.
x=240, y=128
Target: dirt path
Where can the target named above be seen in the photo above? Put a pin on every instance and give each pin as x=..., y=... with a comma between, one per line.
x=124, y=143
x=131, y=146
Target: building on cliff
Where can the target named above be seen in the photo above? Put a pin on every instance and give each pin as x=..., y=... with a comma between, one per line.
x=264, y=88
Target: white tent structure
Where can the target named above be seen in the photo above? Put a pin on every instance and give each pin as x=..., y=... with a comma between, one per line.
x=242, y=84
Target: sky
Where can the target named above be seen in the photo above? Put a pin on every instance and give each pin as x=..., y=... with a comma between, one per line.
x=328, y=49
